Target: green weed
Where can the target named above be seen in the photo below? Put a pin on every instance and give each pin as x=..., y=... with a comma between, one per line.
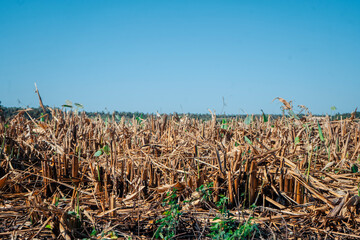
x=105, y=149
x=69, y=104
x=170, y=221
x=228, y=227
x=205, y=191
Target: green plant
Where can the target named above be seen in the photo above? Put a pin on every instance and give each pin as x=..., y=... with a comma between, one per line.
x=139, y=119
x=293, y=115
x=57, y=201
x=228, y=227
x=265, y=117
x=333, y=109
x=354, y=168
x=77, y=211
x=69, y=104
x=248, y=120
x=321, y=135
x=169, y=223
x=205, y=191
x=112, y=235
x=224, y=124
x=247, y=140
x=105, y=149
x=93, y=232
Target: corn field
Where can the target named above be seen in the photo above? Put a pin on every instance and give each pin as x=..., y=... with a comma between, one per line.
x=66, y=176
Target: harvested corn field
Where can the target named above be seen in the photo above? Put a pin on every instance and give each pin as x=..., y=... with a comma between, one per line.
x=66, y=176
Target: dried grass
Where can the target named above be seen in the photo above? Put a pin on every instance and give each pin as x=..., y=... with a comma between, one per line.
x=301, y=184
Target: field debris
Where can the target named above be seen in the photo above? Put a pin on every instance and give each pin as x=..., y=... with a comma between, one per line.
x=67, y=176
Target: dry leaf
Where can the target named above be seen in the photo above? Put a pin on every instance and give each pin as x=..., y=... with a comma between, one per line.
x=3, y=180
x=175, y=186
x=287, y=105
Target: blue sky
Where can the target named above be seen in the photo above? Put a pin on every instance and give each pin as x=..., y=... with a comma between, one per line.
x=183, y=56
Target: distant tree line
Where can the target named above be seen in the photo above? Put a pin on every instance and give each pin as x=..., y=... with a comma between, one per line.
x=35, y=113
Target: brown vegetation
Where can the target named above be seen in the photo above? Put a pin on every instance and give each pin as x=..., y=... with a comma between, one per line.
x=68, y=175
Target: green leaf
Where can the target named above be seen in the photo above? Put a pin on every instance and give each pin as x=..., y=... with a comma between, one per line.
x=139, y=120
x=48, y=226
x=71, y=213
x=297, y=140
x=333, y=108
x=248, y=140
x=93, y=232
x=106, y=149
x=224, y=124
x=265, y=117
x=292, y=114
x=248, y=120
x=79, y=105
x=98, y=153
x=236, y=144
x=65, y=105
x=354, y=168
x=320, y=132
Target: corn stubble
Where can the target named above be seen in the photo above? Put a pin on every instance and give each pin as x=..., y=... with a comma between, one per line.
x=294, y=178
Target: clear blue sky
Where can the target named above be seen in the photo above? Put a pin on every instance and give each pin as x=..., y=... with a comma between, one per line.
x=182, y=56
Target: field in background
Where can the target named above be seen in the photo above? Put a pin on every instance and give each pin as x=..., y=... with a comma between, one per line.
x=70, y=176
x=9, y=112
